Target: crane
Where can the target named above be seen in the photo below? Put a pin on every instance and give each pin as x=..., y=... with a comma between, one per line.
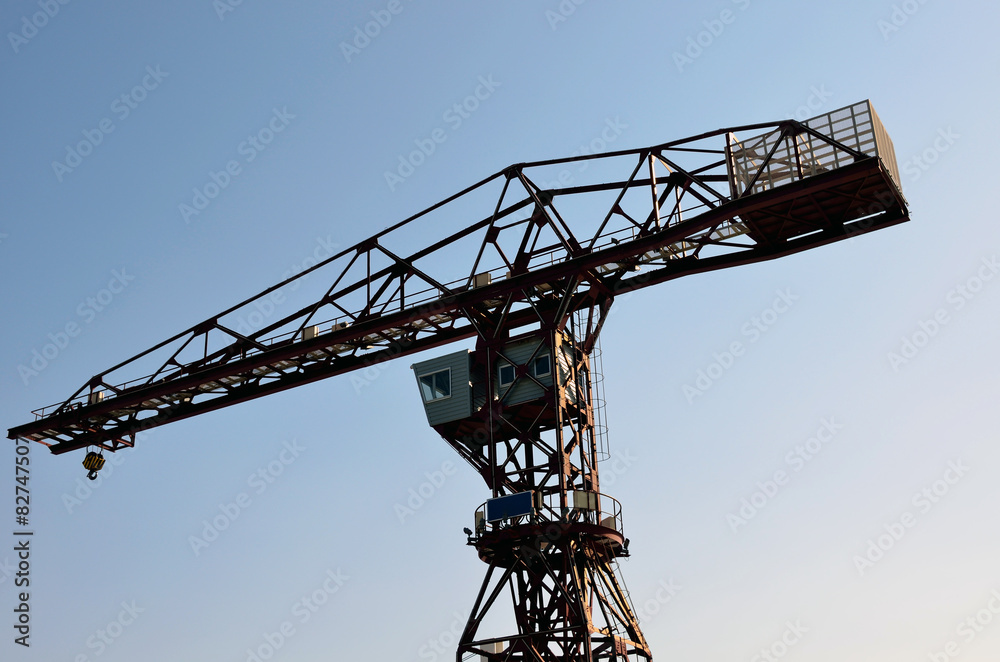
x=540, y=253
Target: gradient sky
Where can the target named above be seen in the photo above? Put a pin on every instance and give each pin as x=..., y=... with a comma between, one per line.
x=200, y=77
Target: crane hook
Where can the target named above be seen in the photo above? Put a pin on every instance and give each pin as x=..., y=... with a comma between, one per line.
x=94, y=462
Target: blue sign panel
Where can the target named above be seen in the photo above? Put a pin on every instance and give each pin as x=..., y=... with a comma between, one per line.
x=512, y=505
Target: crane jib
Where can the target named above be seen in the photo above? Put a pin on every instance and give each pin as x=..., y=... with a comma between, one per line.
x=789, y=189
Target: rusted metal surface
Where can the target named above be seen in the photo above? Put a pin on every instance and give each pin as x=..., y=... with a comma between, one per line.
x=651, y=215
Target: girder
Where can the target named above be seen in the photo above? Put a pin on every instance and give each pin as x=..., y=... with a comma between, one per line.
x=620, y=222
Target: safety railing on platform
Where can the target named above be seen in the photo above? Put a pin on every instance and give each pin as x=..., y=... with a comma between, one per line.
x=581, y=507
x=797, y=155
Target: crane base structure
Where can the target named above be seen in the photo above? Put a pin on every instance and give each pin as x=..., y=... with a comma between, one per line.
x=531, y=261
x=520, y=411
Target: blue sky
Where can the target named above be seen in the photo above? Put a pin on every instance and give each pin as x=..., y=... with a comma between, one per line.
x=165, y=98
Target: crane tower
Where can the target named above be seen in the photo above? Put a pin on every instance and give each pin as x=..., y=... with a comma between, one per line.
x=520, y=411
x=538, y=253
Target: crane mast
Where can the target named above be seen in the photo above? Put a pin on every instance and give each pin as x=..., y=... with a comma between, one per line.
x=536, y=256
x=520, y=410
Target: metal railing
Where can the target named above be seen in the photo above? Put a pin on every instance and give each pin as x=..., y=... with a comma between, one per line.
x=795, y=156
x=582, y=507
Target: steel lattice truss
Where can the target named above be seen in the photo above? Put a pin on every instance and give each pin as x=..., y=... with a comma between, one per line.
x=568, y=603
x=556, y=562
x=591, y=226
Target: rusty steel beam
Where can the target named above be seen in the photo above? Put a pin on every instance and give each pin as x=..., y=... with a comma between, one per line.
x=381, y=320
